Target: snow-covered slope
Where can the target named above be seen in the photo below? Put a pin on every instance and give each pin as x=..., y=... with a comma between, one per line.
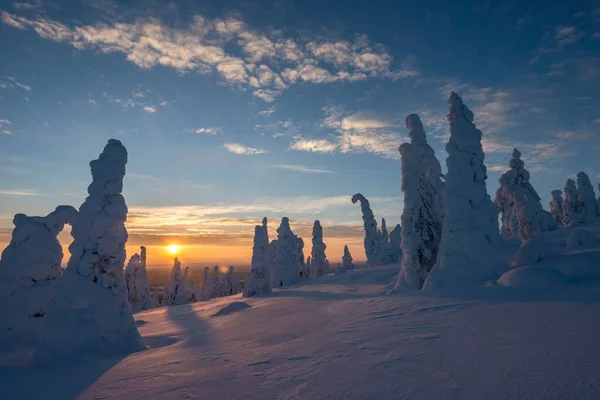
x=344, y=337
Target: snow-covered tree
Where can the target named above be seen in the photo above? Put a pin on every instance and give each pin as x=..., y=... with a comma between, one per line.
x=136, y=280
x=29, y=273
x=174, y=284
x=258, y=280
x=532, y=219
x=372, y=236
x=205, y=287
x=396, y=241
x=384, y=232
x=586, y=198
x=423, y=214
x=232, y=283
x=347, y=259
x=90, y=312
x=505, y=206
x=571, y=208
x=470, y=248
x=186, y=292
x=215, y=285
x=319, y=265
x=556, y=206
x=288, y=256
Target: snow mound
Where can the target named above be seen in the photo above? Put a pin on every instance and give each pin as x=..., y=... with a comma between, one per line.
x=582, y=237
x=534, y=251
x=534, y=278
x=231, y=308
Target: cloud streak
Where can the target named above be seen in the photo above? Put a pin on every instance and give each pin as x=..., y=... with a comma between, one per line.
x=240, y=149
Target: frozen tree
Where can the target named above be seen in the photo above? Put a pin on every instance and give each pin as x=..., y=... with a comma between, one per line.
x=372, y=236
x=532, y=219
x=205, y=288
x=586, y=198
x=174, y=284
x=396, y=241
x=29, y=273
x=258, y=280
x=309, y=265
x=384, y=232
x=136, y=280
x=339, y=269
x=319, y=265
x=505, y=206
x=347, y=259
x=232, y=283
x=422, y=218
x=470, y=247
x=215, y=285
x=287, y=254
x=185, y=293
x=556, y=206
x=298, y=258
x=91, y=313
x=571, y=208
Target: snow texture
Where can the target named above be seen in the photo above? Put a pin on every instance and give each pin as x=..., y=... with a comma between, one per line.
x=505, y=206
x=423, y=214
x=471, y=246
x=136, y=279
x=372, y=239
x=30, y=269
x=91, y=313
x=586, y=198
x=319, y=265
x=571, y=208
x=556, y=206
x=258, y=280
x=347, y=259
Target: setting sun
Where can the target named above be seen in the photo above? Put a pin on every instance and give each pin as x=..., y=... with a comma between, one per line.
x=173, y=249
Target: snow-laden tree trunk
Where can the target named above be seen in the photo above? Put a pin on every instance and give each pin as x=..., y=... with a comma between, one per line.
x=586, y=198
x=319, y=265
x=470, y=248
x=532, y=219
x=422, y=218
x=571, y=208
x=258, y=280
x=29, y=274
x=91, y=313
x=347, y=259
x=556, y=206
x=372, y=236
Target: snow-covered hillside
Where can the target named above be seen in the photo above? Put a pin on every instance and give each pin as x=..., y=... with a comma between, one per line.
x=345, y=337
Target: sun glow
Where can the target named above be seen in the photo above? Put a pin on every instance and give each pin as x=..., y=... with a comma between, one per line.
x=173, y=249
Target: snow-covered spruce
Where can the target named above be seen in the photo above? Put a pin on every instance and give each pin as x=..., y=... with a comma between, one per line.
x=586, y=198
x=91, y=313
x=347, y=259
x=532, y=219
x=396, y=242
x=258, y=280
x=186, y=292
x=173, y=284
x=205, y=287
x=384, y=232
x=423, y=214
x=232, y=283
x=505, y=206
x=339, y=269
x=571, y=208
x=470, y=248
x=29, y=273
x=319, y=265
x=556, y=206
x=288, y=256
x=136, y=279
x=372, y=237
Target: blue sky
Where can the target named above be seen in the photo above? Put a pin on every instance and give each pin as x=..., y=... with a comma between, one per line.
x=233, y=110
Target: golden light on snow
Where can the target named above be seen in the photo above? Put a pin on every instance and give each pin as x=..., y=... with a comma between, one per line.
x=173, y=249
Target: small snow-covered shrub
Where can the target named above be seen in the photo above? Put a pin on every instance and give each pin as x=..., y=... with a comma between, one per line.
x=339, y=269
x=535, y=250
x=582, y=237
x=534, y=278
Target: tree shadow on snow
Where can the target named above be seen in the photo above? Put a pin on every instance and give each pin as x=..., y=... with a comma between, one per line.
x=195, y=329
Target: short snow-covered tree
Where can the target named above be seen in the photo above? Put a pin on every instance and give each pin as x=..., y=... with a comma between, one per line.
x=423, y=214
x=556, y=206
x=586, y=198
x=347, y=259
x=136, y=280
x=532, y=219
x=319, y=265
x=258, y=280
x=571, y=208
x=384, y=232
x=372, y=236
x=232, y=283
x=29, y=273
x=470, y=248
x=90, y=312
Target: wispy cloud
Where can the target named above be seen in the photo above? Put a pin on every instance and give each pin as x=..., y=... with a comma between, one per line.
x=303, y=169
x=149, y=109
x=4, y=122
x=267, y=111
x=208, y=131
x=19, y=192
x=577, y=135
x=240, y=149
x=567, y=34
x=92, y=102
x=314, y=145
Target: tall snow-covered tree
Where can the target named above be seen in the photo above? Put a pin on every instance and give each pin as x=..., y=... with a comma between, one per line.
x=372, y=236
x=91, y=313
x=423, y=214
x=571, y=208
x=232, y=283
x=174, y=284
x=384, y=231
x=259, y=280
x=186, y=293
x=347, y=259
x=586, y=198
x=469, y=252
x=287, y=255
x=556, y=206
x=29, y=273
x=532, y=219
x=136, y=280
x=319, y=265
